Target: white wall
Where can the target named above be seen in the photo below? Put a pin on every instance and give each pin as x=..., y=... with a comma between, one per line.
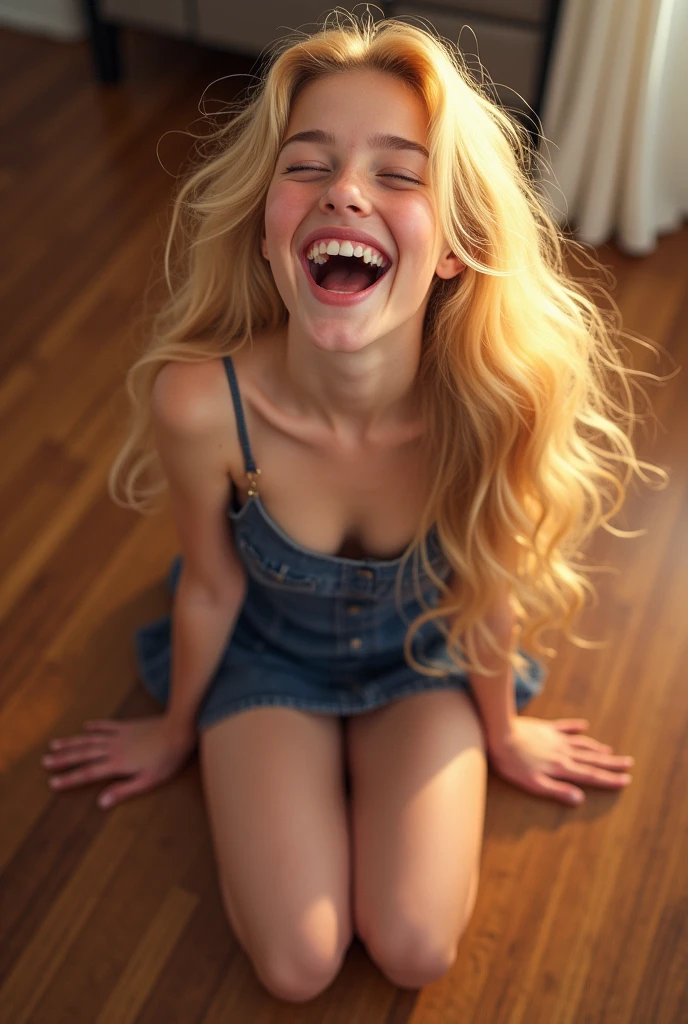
x=60, y=19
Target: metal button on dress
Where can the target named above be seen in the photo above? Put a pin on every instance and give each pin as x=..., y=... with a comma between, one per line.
x=367, y=574
x=356, y=642
x=353, y=609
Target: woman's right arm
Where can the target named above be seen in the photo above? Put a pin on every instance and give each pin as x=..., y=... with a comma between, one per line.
x=191, y=435
x=200, y=632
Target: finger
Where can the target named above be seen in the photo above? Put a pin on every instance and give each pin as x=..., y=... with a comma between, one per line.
x=588, y=743
x=560, y=790
x=610, y=780
x=68, y=742
x=80, y=777
x=600, y=760
x=115, y=794
x=571, y=724
x=76, y=755
x=106, y=724
x=593, y=776
x=79, y=742
x=544, y=785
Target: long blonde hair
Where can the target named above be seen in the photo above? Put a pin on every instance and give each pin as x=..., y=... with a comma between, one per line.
x=526, y=437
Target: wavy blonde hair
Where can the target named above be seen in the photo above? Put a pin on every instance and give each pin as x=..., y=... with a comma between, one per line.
x=526, y=438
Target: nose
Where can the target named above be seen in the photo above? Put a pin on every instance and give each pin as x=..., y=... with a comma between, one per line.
x=344, y=195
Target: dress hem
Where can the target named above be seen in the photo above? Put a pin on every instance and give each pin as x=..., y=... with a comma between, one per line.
x=332, y=707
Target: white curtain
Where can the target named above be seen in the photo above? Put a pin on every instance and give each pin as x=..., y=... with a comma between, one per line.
x=615, y=121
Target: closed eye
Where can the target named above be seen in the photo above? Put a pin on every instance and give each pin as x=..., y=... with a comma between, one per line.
x=403, y=177
x=303, y=167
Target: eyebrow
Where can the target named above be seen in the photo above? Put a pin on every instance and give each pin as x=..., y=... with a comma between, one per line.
x=378, y=141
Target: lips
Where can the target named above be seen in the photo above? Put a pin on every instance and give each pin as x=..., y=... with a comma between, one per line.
x=330, y=298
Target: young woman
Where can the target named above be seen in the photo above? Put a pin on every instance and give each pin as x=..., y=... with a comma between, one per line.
x=383, y=411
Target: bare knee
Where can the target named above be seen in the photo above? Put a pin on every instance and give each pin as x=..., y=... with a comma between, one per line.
x=297, y=967
x=298, y=975
x=413, y=955
x=414, y=959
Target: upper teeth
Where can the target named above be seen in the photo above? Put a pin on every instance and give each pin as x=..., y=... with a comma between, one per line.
x=320, y=251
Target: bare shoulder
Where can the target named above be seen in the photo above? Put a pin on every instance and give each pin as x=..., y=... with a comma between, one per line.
x=196, y=397
x=193, y=421
x=196, y=440
x=191, y=398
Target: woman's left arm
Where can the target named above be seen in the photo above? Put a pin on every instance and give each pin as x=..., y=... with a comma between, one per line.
x=539, y=756
x=496, y=695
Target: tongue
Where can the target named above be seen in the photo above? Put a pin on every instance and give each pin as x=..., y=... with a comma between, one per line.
x=341, y=279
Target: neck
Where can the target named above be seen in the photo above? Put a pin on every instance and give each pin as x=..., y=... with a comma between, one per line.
x=356, y=394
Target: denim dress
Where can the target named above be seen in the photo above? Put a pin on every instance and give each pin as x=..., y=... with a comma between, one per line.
x=320, y=633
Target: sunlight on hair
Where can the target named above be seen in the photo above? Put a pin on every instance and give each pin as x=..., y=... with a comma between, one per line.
x=528, y=403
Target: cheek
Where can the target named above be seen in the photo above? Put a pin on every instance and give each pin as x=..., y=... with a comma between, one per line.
x=283, y=214
x=415, y=236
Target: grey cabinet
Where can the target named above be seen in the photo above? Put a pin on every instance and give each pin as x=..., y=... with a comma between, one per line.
x=534, y=11
x=511, y=39
x=169, y=16
x=247, y=27
x=510, y=54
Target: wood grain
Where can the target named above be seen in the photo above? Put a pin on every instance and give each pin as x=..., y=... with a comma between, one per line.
x=117, y=917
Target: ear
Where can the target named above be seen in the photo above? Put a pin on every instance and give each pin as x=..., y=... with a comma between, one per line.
x=449, y=265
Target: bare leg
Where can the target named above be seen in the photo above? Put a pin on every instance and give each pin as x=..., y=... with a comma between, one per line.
x=274, y=787
x=419, y=773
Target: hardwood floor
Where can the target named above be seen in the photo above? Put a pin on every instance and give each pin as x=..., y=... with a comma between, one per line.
x=115, y=917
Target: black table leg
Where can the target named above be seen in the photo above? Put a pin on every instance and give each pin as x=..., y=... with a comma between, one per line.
x=104, y=44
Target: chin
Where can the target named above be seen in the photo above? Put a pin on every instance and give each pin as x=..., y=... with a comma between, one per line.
x=338, y=338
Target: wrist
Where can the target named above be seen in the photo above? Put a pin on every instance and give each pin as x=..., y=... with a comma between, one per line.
x=180, y=731
x=496, y=702
x=498, y=742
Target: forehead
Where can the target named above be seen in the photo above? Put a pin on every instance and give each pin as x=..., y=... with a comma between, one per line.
x=358, y=103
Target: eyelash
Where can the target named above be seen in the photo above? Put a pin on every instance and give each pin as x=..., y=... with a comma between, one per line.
x=303, y=167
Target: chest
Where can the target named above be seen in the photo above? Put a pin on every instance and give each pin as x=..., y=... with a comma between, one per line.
x=365, y=502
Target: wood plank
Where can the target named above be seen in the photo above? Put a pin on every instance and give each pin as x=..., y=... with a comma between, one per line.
x=55, y=692
x=581, y=914
x=48, y=950
x=148, y=959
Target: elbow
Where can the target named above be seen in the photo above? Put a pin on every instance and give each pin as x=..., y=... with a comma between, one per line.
x=234, y=588
x=233, y=596
x=230, y=592
x=502, y=624
x=501, y=616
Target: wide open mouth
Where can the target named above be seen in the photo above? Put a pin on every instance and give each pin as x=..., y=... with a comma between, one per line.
x=349, y=274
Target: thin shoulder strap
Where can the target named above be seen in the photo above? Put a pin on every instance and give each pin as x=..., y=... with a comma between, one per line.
x=239, y=411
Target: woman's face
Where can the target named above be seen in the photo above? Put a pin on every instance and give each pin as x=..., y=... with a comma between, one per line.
x=357, y=176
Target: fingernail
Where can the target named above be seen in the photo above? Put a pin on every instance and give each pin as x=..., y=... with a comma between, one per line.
x=625, y=778
x=105, y=801
x=54, y=783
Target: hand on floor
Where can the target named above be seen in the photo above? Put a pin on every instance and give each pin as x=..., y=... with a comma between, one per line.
x=537, y=753
x=147, y=751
